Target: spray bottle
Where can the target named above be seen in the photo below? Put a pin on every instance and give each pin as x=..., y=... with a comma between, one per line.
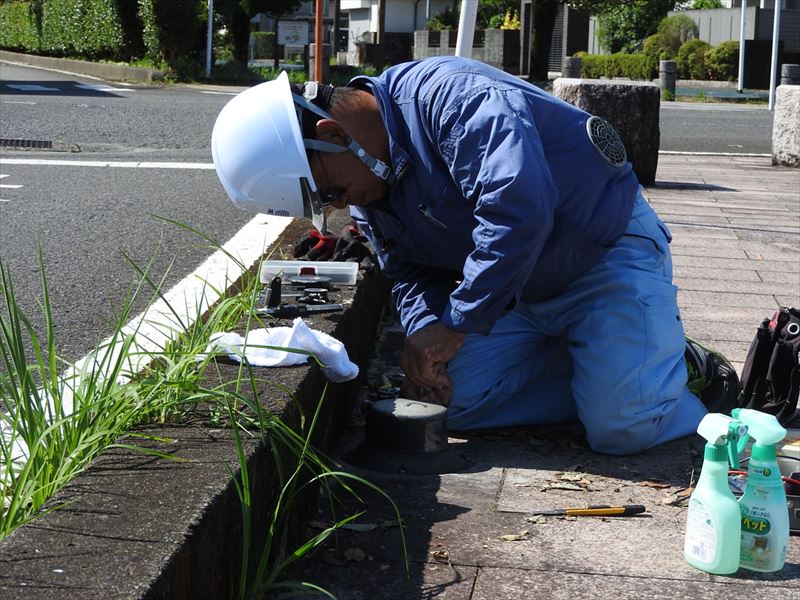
x=713, y=522
x=765, y=518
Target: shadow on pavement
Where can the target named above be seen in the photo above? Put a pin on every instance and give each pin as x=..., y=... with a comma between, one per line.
x=681, y=185
x=473, y=533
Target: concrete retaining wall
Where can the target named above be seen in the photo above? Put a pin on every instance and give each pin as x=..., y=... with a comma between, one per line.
x=498, y=48
x=102, y=70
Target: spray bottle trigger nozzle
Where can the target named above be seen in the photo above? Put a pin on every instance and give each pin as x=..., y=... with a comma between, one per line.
x=736, y=431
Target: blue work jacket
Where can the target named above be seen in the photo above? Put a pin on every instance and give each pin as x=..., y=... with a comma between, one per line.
x=500, y=195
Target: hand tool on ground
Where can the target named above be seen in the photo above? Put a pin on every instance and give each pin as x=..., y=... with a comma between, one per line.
x=274, y=293
x=290, y=311
x=600, y=510
x=314, y=296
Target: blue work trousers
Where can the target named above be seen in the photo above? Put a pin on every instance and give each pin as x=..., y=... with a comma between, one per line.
x=608, y=351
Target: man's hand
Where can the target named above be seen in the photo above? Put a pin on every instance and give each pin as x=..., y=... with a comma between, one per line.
x=315, y=246
x=425, y=357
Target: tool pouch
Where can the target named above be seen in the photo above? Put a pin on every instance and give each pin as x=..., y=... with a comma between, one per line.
x=771, y=373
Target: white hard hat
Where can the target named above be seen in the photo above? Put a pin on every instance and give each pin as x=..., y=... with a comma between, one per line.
x=259, y=154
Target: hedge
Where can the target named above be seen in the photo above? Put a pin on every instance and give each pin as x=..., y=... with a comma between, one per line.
x=696, y=60
x=16, y=27
x=170, y=31
x=632, y=66
x=723, y=61
x=692, y=60
x=86, y=28
x=656, y=48
x=264, y=44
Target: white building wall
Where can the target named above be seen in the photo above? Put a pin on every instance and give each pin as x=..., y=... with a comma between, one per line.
x=399, y=18
x=767, y=4
x=360, y=23
x=717, y=26
x=405, y=16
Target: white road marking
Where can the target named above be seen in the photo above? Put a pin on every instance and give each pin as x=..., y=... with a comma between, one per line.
x=152, y=330
x=7, y=186
x=156, y=327
x=221, y=93
x=24, y=87
x=104, y=163
x=680, y=153
x=102, y=88
x=17, y=102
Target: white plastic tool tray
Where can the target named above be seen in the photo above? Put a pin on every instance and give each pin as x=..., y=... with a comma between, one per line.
x=342, y=273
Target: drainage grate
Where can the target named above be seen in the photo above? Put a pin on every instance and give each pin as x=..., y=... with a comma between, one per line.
x=6, y=143
x=26, y=144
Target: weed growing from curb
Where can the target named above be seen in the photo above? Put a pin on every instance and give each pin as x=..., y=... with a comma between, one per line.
x=53, y=423
x=310, y=469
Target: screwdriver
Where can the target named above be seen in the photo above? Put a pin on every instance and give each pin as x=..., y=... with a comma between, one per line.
x=600, y=510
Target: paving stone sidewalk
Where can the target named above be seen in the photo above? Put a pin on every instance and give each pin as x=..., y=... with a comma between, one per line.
x=736, y=228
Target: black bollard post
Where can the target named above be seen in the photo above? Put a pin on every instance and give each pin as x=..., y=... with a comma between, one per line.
x=667, y=76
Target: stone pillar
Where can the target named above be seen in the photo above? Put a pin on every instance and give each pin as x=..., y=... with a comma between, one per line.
x=420, y=45
x=667, y=76
x=786, y=126
x=326, y=62
x=493, y=47
x=790, y=74
x=571, y=68
x=444, y=41
x=632, y=108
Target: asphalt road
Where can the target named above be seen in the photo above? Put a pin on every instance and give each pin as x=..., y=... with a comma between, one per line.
x=88, y=219
x=716, y=127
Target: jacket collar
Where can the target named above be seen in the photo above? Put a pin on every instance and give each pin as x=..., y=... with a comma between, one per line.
x=398, y=156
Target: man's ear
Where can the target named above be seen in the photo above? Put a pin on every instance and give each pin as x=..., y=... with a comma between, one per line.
x=328, y=130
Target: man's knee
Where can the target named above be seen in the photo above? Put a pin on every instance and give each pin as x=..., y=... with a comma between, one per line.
x=615, y=433
x=609, y=439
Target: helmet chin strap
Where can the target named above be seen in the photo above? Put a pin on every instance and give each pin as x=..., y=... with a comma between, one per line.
x=378, y=168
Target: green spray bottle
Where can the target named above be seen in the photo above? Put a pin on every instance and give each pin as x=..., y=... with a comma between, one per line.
x=765, y=516
x=713, y=521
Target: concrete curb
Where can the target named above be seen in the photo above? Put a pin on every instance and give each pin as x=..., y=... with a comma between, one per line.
x=104, y=71
x=134, y=526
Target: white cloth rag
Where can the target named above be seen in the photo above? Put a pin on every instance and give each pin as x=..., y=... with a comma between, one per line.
x=329, y=351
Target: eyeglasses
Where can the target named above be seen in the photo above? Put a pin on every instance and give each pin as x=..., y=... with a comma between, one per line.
x=329, y=196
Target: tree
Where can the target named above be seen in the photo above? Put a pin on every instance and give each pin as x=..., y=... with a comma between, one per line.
x=677, y=30
x=489, y=10
x=703, y=4
x=236, y=15
x=491, y=14
x=623, y=26
x=543, y=21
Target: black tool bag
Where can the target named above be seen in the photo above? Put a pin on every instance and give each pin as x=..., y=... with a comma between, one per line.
x=771, y=373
